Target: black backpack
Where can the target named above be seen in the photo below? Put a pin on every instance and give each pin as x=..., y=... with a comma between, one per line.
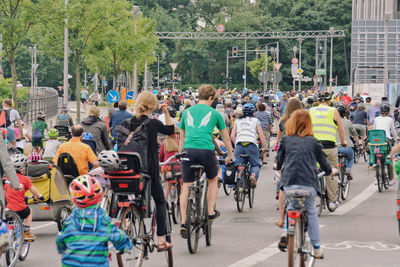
x=134, y=141
x=7, y=122
x=67, y=164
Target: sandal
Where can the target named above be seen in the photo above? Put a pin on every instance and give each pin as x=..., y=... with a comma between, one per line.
x=279, y=223
x=164, y=246
x=183, y=231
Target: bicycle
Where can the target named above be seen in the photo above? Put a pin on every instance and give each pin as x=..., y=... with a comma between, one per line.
x=197, y=210
x=380, y=148
x=173, y=178
x=344, y=183
x=243, y=185
x=299, y=246
x=134, y=208
x=323, y=200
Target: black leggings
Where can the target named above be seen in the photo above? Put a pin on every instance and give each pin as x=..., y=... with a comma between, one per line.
x=157, y=193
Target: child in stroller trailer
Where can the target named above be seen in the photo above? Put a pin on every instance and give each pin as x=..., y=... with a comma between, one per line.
x=16, y=198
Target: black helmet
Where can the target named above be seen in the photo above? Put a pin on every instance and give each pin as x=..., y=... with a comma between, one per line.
x=172, y=112
x=342, y=109
x=324, y=96
x=310, y=100
x=385, y=108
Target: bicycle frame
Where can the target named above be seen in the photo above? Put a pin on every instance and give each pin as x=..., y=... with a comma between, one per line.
x=199, y=184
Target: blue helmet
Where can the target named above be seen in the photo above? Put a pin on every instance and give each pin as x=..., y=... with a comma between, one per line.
x=248, y=109
x=87, y=136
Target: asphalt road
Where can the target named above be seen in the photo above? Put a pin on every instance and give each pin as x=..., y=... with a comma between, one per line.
x=361, y=233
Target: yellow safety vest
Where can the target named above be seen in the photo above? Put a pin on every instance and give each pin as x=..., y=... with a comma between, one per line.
x=324, y=127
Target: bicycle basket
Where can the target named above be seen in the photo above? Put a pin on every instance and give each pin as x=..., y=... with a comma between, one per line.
x=229, y=172
x=125, y=182
x=376, y=137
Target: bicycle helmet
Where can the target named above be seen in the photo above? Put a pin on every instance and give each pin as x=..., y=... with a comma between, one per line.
x=64, y=109
x=34, y=157
x=109, y=160
x=384, y=108
x=87, y=136
x=41, y=116
x=324, y=96
x=342, y=109
x=172, y=112
x=361, y=105
x=248, y=109
x=85, y=191
x=20, y=161
x=53, y=133
x=310, y=100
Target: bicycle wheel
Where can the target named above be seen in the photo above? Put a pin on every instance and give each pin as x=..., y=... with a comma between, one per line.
x=133, y=226
x=251, y=196
x=207, y=225
x=240, y=194
x=356, y=155
x=379, y=177
x=16, y=235
x=320, y=199
x=389, y=169
x=345, y=185
x=295, y=245
x=24, y=251
x=227, y=189
x=192, y=225
x=168, y=254
x=62, y=215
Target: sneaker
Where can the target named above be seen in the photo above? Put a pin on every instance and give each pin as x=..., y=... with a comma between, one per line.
x=348, y=174
x=333, y=206
x=253, y=181
x=183, y=231
x=282, y=244
x=28, y=235
x=318, y=253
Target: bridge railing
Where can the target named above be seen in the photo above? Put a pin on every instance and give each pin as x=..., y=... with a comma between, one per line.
x=43, y=99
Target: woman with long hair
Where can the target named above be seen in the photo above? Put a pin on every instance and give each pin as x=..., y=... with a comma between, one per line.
x=145, y=104
x=302, y=174
x=168, y=149
x=292, y=105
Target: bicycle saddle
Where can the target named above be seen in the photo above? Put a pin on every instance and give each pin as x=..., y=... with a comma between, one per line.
x=195, y=167
x=244, y=156
x=341, y=155
x=297, y=193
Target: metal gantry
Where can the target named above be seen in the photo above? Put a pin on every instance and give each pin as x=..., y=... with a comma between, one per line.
x=249, y=35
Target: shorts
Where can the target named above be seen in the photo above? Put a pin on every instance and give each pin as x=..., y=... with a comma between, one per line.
x=203, y=157
x=10, y=134
x=24, y=213
x=83, y=100
x=35, y=143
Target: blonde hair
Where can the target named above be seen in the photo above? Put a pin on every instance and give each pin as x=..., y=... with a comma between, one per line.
x=145, y=103
x=94, y=112
x=171, y=144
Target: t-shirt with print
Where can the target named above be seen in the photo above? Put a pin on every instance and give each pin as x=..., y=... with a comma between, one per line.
x=199, y=122
x=84, y=94
x=16, y=198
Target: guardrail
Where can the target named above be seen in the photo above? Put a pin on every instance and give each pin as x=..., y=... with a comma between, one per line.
x=43, y=99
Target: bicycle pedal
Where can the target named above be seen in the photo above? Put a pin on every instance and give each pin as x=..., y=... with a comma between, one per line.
x=29, y=240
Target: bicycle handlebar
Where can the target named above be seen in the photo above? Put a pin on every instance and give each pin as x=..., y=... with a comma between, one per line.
x=176, y=156
x=321, y=174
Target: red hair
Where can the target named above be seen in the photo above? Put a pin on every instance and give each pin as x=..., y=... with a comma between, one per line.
x=299, y=123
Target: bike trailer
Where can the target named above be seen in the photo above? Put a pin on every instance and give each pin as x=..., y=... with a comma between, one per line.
x=376, y=137
x=50, y=182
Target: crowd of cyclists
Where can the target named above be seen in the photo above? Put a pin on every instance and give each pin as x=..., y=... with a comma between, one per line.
x=311, y=126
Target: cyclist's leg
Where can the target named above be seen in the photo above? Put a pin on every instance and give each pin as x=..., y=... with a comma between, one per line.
x=187, y=179
x=332, y=157
x=254, y=159
x=209, y=161
x=161, y=211
x=313, y=224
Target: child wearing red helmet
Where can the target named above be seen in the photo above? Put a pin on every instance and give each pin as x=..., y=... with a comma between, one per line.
x=86, y=233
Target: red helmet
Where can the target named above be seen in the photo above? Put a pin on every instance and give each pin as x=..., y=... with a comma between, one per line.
x=86, y=191
x=4, y=133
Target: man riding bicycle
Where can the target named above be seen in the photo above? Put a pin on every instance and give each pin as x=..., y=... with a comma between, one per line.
x=197, y=126
x=326, y=123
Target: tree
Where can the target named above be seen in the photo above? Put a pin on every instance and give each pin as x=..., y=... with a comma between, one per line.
x=16, y=18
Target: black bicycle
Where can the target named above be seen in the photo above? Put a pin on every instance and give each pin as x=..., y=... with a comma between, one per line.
x=344, y=183
x=243, y=186
x=197, y=211
x=322, y=199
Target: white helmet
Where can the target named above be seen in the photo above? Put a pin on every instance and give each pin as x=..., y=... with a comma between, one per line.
x=109, y=160
x=20, y=161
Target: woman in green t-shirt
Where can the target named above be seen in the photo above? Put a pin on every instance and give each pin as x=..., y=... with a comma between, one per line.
x=38, y=128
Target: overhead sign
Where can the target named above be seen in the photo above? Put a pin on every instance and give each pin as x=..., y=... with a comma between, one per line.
x=174, y=66
x=220, y=28
x=295, y=60
x=277, y=66
x=112, y=96
x=300, y=71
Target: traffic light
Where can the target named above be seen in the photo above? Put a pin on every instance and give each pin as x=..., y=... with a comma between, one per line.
x=175, y=77
x=234, y=51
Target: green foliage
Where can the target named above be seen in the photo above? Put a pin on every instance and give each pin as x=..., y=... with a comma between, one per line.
x=258, y=65
x=6, y=90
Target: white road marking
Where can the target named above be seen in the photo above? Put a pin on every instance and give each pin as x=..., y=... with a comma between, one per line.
x=260, y=256
x=42, y=226
x=364, y=195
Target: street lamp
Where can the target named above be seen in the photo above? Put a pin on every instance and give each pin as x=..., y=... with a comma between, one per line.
x=294, y=55
x=331, y=31
x=136, y=12
x=158, y=67
x=34, y=65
